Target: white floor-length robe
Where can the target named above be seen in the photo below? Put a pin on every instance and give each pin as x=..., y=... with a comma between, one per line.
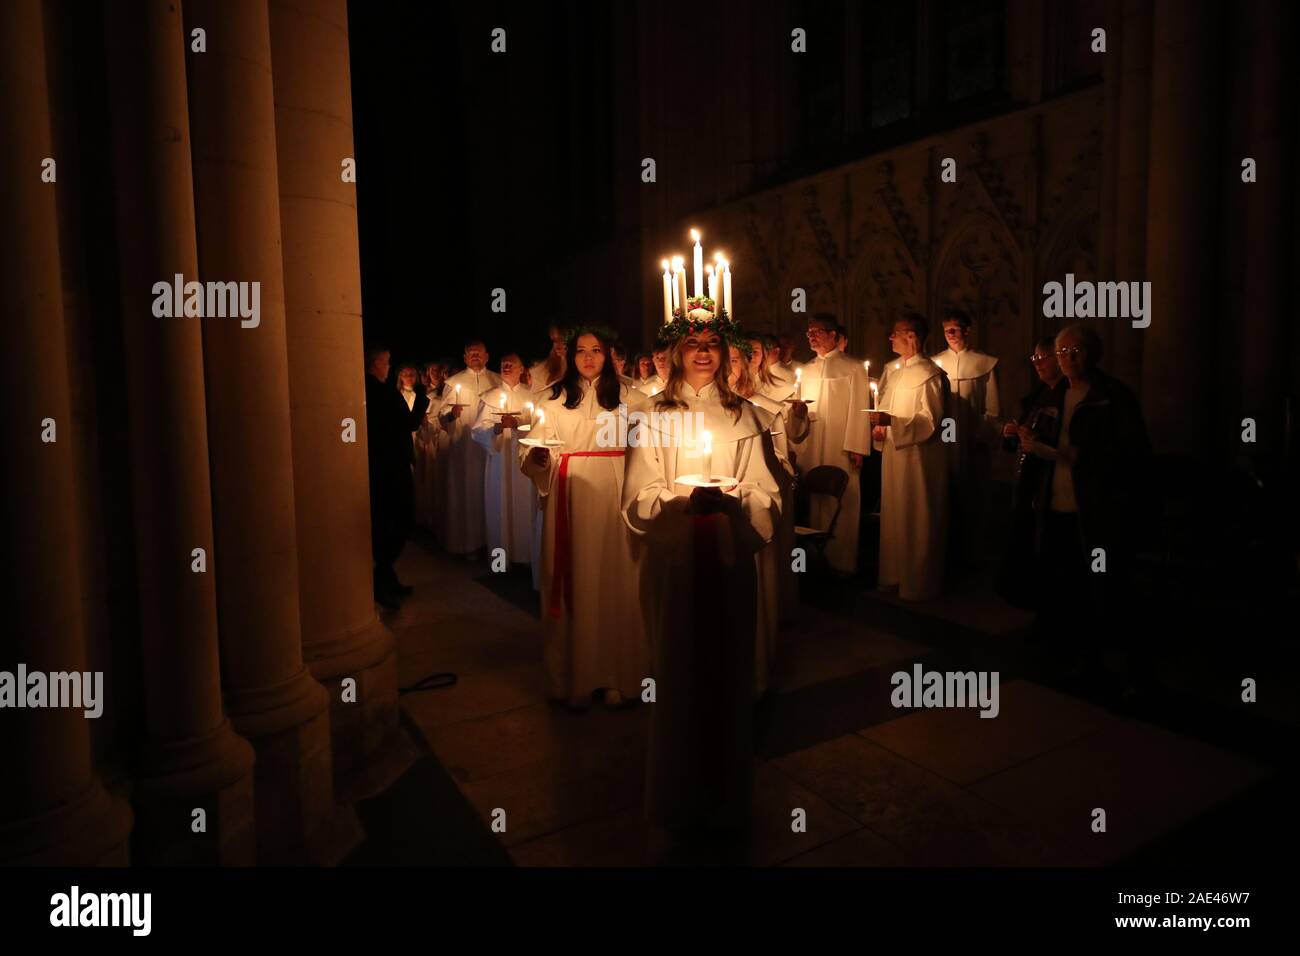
x=593, y=637
x=699, y=593
x=974, y=406
x=509, y=498
x=430, y=439
x=913, y=480
x=839, y=425
x=777, y=589
x=464, y=519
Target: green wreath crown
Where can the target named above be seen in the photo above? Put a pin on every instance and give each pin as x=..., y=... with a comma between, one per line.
x=683, y=325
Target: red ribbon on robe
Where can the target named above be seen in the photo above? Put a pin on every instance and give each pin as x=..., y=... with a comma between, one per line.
x=562, y=567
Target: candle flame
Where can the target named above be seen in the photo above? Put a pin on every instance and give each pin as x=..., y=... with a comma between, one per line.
x=664, y=263
x=677, y=263
x=541, y=417
x=695, y=235
x=708, y=270
x=798, y=375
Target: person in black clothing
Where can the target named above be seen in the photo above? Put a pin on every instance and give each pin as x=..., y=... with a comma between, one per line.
x=389, y=424
x=1020, y=580
x=1091, y=517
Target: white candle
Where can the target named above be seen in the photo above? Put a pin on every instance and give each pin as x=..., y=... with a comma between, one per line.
x=458, y=393
x=875, y=396
x=713, y=286
x=681, y=290
x=677, y=267
x=719, y=306
x=528, y=406
x=708, y=455
x=726, y=288
x=798, y=384
x=503, y=401
x=699, y=263
x=668, y=294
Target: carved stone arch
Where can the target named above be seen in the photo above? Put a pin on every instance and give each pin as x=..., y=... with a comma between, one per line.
x=978, y=269
x=884, y=282
x=1069, y=246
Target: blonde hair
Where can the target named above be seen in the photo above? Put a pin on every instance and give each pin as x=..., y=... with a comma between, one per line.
x=670, y=397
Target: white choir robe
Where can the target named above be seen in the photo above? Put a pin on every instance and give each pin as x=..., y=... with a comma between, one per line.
x=591, y=642
x=699, y=594
x=839, y=425
x=429, y=440
x=540, y=382
x=974, y=406
x=509, y=499
x=913, y=480
x=651, y=386
x=777, y=589
x=776, y=394
x=463, y=515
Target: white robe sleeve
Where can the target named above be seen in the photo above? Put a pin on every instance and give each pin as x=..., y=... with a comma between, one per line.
x=542, y=477
x=857, y=426
x=917, y=421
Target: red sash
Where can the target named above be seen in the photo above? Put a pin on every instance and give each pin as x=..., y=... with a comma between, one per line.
x=562, y=568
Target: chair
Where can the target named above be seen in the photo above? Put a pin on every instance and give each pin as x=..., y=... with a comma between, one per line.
x=826, y=480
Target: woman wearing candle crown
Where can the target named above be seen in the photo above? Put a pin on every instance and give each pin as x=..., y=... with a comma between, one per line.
x=588, y=574
x=698, y=582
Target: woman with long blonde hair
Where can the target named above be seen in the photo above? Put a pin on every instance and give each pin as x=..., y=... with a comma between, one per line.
x=701, y=495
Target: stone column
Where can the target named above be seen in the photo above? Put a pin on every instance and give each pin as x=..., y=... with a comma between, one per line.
x=1266, y=312
x=1182, y=200
x=272, y=698
x=342, y=636
x=192, y=758
x=1131, y=30
x=53, y=809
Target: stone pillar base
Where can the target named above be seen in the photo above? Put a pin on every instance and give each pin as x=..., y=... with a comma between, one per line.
x=91, y=830
x=213, y=773
x=363, y=730
x=289, y=728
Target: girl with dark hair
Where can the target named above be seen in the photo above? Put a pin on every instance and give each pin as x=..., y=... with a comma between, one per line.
x=588, y=572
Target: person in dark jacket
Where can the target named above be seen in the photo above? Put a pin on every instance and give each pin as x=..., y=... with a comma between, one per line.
x=389, y=424
x=1092, y=514
x=1020, y=581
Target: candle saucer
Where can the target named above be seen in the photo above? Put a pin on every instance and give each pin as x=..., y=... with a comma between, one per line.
x=806, y=401
x=712, y=481
x=541, y=442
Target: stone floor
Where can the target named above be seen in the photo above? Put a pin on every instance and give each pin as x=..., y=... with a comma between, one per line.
x=878, y=786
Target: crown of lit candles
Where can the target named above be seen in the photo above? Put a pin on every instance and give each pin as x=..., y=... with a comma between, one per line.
x=685, y=314
x=712, y=286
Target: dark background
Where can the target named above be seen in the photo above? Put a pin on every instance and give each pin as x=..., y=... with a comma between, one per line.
x=522, y=171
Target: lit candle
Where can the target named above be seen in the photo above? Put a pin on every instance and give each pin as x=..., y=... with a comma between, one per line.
x=726, y=288
x=699, y=263
x=681, y=290
x=528, y=406
x=668, y=294
x=875, y=396
x=458, y=393
x=503, y=401
x=798, y=384
x=713, y=286
x=677, y=267
x=708, y=455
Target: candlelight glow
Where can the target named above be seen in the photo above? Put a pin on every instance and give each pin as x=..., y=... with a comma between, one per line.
x=695, y=235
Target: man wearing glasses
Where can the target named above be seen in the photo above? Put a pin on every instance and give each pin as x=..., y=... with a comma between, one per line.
x=914, y=469
x=836, y=390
